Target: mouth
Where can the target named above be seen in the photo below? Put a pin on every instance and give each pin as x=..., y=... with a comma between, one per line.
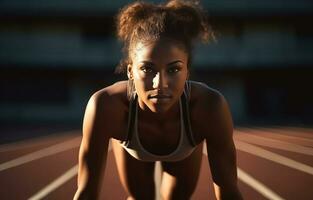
x=160, y=96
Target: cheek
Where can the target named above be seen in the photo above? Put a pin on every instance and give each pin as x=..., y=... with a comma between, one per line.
x=181, y=78
x=136, y=74
x=180, y=82
x=146, y=79
x=141, y=82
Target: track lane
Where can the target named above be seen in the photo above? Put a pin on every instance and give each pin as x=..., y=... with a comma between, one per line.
x=13, y=150
x=288, y=183
x=23, y=181
x=306, y=142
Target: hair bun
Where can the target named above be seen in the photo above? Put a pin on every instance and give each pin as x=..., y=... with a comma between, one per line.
x=130, y=16
x=190, y=18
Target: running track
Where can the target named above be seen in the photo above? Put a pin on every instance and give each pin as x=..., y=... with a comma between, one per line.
x=273, y=163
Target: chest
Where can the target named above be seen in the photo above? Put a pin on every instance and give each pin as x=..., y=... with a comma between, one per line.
x=159, y=138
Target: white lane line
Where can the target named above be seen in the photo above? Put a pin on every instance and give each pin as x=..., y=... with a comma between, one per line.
x=293, y=131
x=260, y=152
x=296, y=132
x=59, y=181
x=55, y=184
x=267, y=133
x=277, y=144
x=41, y=153
x=35, y=141
x=253, y=183
x=257, y=185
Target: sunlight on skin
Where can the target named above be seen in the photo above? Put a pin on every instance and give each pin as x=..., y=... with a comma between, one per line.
x=156, y=80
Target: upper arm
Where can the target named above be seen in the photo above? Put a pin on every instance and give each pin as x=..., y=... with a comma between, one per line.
x=220, y=145
x=216, y=127
x=93, y=148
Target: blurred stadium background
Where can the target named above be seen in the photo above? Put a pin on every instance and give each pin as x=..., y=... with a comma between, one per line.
x=55, y=54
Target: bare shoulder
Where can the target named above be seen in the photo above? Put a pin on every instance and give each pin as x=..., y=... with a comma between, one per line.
x=210, y=113
x=205, y=98
x=114, y=94
x=106, y=107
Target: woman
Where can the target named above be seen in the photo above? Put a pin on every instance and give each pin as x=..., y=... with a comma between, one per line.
x=158, y=114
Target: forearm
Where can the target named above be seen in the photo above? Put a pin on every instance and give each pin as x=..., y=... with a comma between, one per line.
x=88, y=183
x=227, y=194
x=89, y=172
x=83, y=194
x=80, y=195
x=86, y=191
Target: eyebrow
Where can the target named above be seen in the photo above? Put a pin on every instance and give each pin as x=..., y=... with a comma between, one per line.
x=171, y=63
x=174, y=62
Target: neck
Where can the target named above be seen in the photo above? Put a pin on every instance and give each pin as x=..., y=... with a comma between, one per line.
x=172, y=113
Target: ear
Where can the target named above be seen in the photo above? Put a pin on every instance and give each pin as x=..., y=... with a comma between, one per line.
x=129, y=71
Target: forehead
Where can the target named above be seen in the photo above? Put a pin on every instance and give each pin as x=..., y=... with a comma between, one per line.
x=159, y=50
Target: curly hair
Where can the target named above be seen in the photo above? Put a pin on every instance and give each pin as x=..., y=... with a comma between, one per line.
x=181, y=20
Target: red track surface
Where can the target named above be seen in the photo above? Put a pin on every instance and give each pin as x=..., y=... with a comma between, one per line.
x=279, y=161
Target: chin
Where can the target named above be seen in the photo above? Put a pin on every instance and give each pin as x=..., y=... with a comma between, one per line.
x=159, y=108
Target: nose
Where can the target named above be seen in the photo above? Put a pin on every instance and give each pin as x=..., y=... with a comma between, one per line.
x=160, y=81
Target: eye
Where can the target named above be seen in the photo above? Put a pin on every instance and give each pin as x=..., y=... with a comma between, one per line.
x=174, y=69
x=146, y=69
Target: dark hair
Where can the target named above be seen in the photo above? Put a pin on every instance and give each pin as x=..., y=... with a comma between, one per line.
x=181, y=20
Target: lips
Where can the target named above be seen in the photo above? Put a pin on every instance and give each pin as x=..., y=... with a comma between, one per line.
x=160, y=96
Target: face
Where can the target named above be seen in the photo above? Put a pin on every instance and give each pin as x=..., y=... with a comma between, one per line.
x=159, y=71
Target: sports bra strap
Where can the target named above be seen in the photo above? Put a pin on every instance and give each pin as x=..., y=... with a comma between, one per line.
x=131, y=119
x=186, y=118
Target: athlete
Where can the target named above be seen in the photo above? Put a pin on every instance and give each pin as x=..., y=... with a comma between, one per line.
x=158, y=114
